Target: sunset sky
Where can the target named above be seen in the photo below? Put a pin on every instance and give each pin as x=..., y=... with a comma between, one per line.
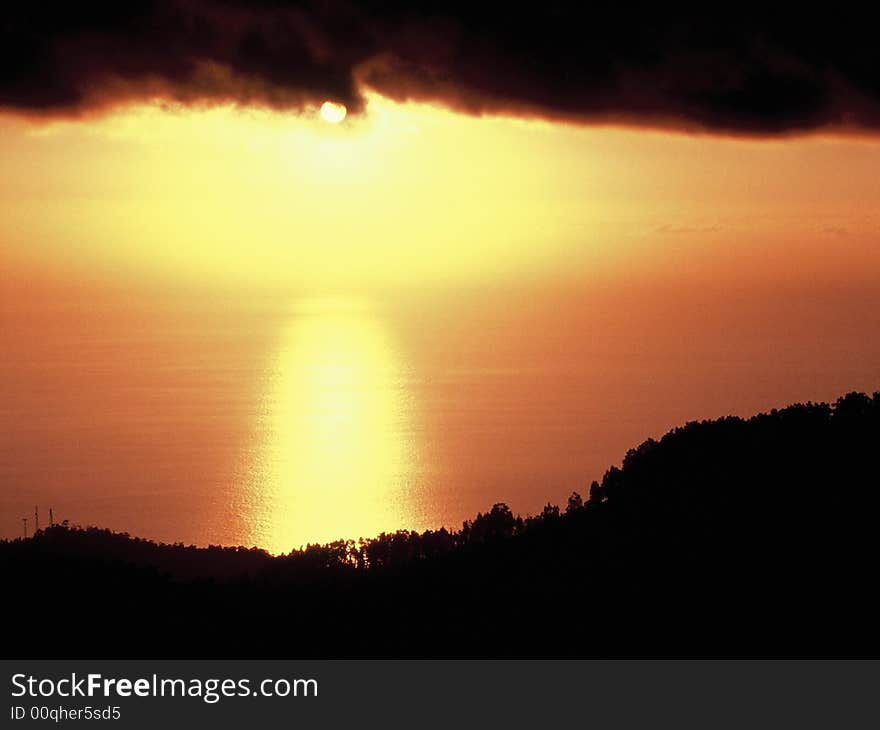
x=519, y=253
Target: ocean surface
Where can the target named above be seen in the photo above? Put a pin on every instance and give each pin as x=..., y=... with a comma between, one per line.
x=226, y=418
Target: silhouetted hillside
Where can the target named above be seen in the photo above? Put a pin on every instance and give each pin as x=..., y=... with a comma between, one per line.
x=726, y=537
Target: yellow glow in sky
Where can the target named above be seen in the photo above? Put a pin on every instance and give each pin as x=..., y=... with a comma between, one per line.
x=255, y=196
x=415, y=194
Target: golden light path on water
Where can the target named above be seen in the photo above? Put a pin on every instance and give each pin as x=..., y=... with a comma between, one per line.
x=338, y=457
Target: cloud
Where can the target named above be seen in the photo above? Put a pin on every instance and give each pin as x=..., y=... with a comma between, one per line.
x=723, y=68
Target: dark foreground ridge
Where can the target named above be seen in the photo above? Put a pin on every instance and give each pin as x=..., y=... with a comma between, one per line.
x=731, y=537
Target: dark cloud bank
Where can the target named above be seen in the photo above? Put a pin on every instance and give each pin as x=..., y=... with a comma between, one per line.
x=724, y=68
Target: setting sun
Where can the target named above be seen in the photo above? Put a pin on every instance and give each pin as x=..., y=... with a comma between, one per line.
x=332, y=112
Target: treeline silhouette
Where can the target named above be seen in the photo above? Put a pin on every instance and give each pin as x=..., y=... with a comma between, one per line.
x=731, y=537
x=185, y=562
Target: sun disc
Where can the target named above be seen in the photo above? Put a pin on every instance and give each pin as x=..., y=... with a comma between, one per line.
x=333, y=112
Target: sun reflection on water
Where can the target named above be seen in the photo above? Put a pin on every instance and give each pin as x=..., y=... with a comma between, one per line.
x=338, y=453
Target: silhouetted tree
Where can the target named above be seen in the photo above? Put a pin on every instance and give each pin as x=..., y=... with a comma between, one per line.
x=575, y=502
